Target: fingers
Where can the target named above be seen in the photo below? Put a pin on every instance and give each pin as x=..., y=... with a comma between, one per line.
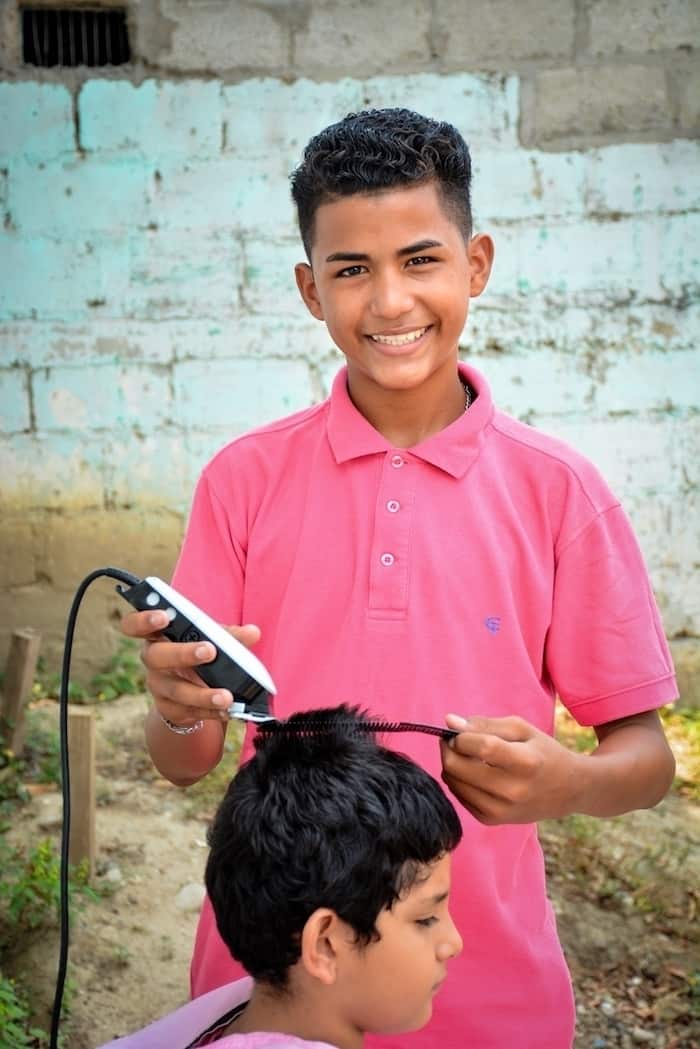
x=248, y=635
x=504, y=750
x=143, y=624
x=181, y=696
x=511, y=728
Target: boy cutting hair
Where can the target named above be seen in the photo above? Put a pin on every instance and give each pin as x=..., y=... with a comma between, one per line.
x=329, y=874
x=406, y=540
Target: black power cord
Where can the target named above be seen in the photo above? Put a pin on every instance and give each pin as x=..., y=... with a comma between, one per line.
x=132, y=580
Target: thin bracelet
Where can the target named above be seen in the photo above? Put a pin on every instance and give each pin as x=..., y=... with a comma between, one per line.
x=180, y=730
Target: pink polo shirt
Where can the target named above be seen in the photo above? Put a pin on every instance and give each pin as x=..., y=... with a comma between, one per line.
x=482, y=572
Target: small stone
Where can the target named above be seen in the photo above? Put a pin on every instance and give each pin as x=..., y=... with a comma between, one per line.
x=190, y=897
x=114, y=875
x=642, y=1037
x=607, y=1007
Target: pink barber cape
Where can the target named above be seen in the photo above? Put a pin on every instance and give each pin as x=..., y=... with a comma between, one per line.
x=182, y=1028
x=483, y=571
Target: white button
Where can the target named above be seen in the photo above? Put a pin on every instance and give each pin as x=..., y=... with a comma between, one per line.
x=396, y=461
x=152, y=599
x=393, y=506
x=387, y=560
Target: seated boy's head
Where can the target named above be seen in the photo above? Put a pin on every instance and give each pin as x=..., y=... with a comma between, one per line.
x=380, y=150
x=329, y=872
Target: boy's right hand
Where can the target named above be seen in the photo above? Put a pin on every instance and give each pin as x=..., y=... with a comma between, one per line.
x=179, y=693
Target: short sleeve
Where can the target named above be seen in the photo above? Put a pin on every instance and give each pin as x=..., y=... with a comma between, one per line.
x=606, y=652
x=211, y=566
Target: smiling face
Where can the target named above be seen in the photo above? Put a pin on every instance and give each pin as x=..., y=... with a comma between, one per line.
x=389, y=984
x=391, y=275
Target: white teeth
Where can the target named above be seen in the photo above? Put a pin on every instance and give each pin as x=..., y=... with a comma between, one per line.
x=399, y=340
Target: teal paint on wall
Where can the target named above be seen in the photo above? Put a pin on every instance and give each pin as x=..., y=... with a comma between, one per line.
x=148, y=299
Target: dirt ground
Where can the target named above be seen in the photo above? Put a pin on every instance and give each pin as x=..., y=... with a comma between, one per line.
x=625, y=892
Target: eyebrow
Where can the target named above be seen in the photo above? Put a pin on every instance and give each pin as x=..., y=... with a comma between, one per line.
x=438, y=898
x=410, y=249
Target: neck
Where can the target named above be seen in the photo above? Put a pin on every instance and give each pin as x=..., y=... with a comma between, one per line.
x=408, y=416
x=305, y=1016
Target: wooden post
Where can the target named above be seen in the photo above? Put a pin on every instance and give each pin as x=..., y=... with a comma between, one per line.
x=19, y=676
x=81, y=752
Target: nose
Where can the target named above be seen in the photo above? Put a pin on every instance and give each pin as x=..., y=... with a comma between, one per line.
x=450, y=943
x=391, y=298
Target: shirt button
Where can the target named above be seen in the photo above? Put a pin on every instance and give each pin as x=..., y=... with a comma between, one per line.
x=387, y=560
x=393, y=506
x=397, y=461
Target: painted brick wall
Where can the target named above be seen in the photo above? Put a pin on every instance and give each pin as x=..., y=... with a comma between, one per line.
x=148, y=310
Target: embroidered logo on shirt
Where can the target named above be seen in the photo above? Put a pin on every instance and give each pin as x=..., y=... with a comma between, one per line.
x=493, y=624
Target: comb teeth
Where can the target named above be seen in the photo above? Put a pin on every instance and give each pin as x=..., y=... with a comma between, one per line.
x=317, y=726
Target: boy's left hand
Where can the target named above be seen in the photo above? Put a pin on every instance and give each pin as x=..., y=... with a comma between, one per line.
x=504, y=770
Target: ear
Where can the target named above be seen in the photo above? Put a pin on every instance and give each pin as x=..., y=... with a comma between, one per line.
x=307, y=289
x=480, y=252
x=323, y=940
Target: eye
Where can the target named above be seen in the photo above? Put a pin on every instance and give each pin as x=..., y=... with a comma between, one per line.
x=421, y=260
x=350, y=271
x=426, y=922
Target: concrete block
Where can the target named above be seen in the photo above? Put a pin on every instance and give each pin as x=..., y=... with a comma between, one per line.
x=44, y=343
x=677, y=594
x=75, y=544
x=648, y=382
x=689, y=98
x=519, y=184
x=483, y=108
x=18, y=553
x=679, y=255
x=70, y=279
x=576, y=104
x=359, y=39
x=686, y=659
x=105, y=396
x=51, y=472
x=236, y=395
x=495, y=34
x=574, y=262
x=639, y=457
x=633, y=178
x=36, y=121
x=155, y=118
x=180, y=274
x=271, y=118
x=78, y=196
x=342, y=36
x=536, y=380
x=269, y=276
x=217, y=36
x=234, y=192
x=149, y=470
x=14, y=400
x=616, y=26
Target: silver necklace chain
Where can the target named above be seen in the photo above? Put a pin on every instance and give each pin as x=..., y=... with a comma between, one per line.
x=467, y=393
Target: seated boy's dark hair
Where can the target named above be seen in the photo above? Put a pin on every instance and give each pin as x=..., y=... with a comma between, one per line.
x=327, y=818
x=382, y=149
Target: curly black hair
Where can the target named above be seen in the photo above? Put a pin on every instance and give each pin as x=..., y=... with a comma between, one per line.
x=326, y=818
x=382, y=149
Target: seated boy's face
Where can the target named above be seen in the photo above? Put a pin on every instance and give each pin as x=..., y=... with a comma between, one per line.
x=391, y=982
x=391, y=276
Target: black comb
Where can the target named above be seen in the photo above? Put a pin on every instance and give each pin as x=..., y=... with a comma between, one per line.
x=317, y=726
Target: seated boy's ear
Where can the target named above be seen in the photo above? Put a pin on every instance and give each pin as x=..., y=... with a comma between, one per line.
x=324, y=939
x=481, y=253
x=307, y=289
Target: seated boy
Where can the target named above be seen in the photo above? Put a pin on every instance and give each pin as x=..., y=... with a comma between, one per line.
x=329, y=874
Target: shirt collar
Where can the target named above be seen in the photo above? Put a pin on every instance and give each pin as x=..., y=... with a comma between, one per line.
x=453, y=449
